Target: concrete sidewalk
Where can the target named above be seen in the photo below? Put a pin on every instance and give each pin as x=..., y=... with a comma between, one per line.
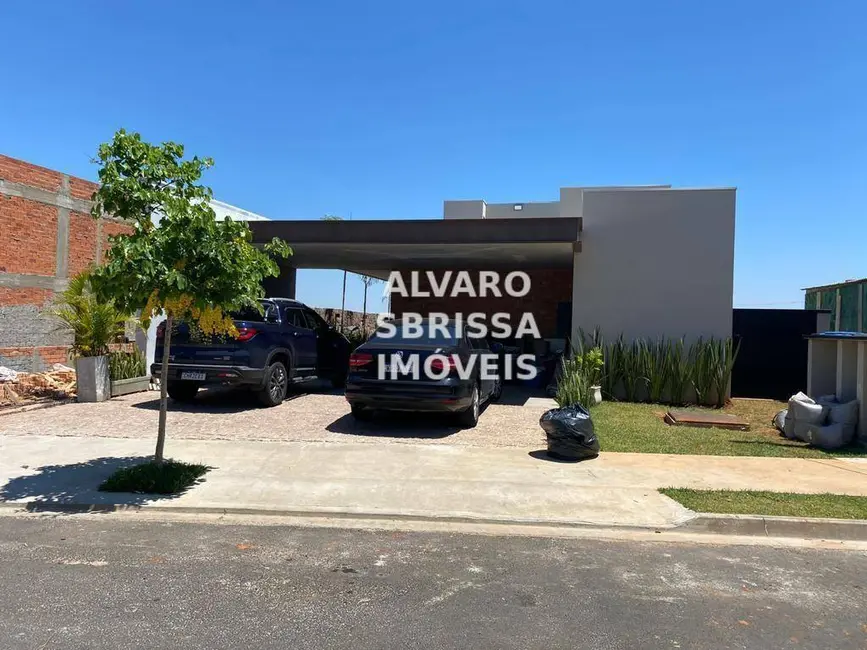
x=425, y=481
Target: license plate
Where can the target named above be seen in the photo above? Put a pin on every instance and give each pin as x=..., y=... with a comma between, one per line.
x=194, y=376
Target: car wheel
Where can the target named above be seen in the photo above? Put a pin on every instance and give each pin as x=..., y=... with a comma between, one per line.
x=470, y=418
x=182, y=391
x=276, y=384
x=361, y=414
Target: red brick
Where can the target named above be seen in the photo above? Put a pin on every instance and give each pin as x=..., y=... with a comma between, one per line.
x=110, y=229
x=18, y=171
x=28, y=236
x=82, y=189
x=54, y=354
x=82, y=242
x=10, y=297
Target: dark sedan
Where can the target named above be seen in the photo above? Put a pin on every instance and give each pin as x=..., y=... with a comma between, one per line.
x=441, y=370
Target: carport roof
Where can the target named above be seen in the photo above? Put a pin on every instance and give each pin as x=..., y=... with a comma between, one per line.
x=545, y=242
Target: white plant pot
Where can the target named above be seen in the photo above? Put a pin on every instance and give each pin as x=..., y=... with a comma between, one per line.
x=92, y=379
x=597, y=394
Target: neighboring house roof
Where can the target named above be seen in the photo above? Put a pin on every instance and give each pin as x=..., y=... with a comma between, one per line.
x=238, y=214
x=834, y=285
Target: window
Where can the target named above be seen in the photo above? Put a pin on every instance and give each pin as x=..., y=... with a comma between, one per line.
x=293, y=316
x=253, y=315
x=314, y=320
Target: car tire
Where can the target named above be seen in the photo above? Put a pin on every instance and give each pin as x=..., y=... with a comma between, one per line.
x=361, y=413
x=276, y=384
x=182, y=391
x=470, y=417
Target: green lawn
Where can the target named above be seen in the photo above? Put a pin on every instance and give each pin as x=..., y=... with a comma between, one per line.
x=639, y=428
x=749, y=502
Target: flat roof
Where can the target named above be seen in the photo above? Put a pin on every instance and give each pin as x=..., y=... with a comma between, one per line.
x=543, y=242
x=835, y=285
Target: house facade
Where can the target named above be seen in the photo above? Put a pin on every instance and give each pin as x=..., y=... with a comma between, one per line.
x=638, y=261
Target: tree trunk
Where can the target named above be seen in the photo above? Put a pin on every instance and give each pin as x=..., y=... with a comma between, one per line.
x=343, y=305
x=164, y=373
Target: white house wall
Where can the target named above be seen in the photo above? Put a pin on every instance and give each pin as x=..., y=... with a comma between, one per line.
x=654, y=262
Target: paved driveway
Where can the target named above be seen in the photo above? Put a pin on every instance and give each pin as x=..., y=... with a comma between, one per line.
x=316, y=415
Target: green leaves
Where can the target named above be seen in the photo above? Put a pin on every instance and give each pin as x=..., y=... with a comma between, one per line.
x=177, y=249
x=94, y=322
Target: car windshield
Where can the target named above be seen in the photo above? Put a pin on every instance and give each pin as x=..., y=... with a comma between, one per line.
x=428, y=337
x=250, y=314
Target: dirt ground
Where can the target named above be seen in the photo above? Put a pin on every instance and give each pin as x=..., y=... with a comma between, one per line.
x=312, y=413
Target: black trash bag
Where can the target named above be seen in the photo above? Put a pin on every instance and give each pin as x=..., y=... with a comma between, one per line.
x=570, y=433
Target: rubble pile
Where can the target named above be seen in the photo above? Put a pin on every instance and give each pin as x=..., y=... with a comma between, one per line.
x=19, y=388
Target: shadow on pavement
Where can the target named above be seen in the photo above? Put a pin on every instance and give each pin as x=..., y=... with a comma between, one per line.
x=519, y=395
x=67, y=487
x=542, y=454
x=397, y=425
x=235, y=400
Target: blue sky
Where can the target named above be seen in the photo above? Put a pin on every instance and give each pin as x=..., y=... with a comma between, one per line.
x=384, y=109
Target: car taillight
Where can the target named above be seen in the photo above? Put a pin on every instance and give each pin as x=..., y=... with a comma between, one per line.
x=438, y=364
x=358, y=359
x=246, y=333
x=161, y=331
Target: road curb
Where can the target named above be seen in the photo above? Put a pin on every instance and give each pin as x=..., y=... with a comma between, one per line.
x=84, y=508
x=701, y=523
x=766, y=526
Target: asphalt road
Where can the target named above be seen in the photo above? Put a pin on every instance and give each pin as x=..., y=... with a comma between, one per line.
x=106, y=582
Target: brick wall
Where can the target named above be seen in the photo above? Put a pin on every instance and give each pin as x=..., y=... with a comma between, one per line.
x=548, y=288
x=46, y=236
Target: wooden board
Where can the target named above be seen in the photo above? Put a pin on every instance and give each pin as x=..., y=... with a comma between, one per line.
x=713, y=419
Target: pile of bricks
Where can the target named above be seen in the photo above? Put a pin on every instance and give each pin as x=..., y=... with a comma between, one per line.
x=31, y=386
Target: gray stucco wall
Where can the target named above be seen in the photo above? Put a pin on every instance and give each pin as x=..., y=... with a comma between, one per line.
x=654, y=262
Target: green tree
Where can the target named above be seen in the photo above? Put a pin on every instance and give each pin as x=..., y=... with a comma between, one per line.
x=179, y=261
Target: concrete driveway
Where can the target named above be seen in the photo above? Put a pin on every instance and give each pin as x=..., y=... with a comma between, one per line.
x=313, y=413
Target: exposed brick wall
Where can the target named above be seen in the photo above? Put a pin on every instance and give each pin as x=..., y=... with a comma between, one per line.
x=82, y=242
x=28, y=296
x=35, y=218
x=18, y=171
x=24, y=359
x=82, y=189
x=548, y=288
x=110, y=228
x=28, y=236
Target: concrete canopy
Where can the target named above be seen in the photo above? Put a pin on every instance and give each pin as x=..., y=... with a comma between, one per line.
x=427, y=244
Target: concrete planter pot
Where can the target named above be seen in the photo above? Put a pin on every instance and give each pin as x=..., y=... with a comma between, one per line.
x=92, y=379
x=597, y=394
x=126, y=386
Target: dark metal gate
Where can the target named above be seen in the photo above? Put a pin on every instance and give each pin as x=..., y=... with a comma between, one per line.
x=772, y=361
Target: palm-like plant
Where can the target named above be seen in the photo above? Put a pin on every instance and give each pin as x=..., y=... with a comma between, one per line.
x=94, y=323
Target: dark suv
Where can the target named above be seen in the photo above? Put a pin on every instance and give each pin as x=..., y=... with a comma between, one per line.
x=285, y=343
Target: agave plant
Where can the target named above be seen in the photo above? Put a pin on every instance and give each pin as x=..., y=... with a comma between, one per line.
x=613, y=375
x=126, y=365
x=703, y=362
x=725, y=355
x=633, y=370
x=679, y=371
x=656, y=367
x=94, y=323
